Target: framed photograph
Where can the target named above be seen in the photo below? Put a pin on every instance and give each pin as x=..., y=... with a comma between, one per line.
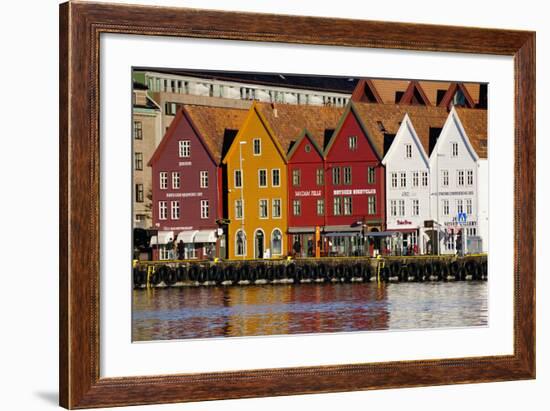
x=260, y=205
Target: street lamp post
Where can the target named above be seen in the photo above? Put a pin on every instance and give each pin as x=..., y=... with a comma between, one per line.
x=241, y=143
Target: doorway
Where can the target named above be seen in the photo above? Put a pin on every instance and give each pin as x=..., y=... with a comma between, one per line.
x=259, y=244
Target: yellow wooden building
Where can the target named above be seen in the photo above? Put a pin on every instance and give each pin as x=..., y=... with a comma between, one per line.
x=256, y=181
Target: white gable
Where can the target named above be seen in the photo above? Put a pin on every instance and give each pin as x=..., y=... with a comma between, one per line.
x=453, y=134
x=406, y=136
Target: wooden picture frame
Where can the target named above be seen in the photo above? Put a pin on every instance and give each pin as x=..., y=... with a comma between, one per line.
x=80, y=27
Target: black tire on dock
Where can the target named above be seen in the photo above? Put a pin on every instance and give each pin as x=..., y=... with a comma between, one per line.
x=203, y=274
x=155, y=278
x=279, y=271
x=395, y=267
x=290, y=271
x=484, y=273
x=181, y=273
x=366, y=271
x=385, y=274
x=414, y=272
x=478, y=276
x=454, y=269
x=462, y=273
x=403, y=273
x=269, y=273
x=139, y=276
x=445, y=271
x=244, y=272
x=229, y=273
x=470, y=267
x=193, y=273
x=322, y=271
x=215, y=274
x=437, y=270
x=260, y=272
x=169, y=276
x=428, y=271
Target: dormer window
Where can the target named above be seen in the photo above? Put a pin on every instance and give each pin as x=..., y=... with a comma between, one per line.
x=352, y=142
x=408, y=151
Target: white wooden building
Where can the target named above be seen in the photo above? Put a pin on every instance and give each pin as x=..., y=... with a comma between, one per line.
x=407, y=190
x=454, y=189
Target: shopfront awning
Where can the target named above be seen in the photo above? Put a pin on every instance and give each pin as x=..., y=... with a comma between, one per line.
x=162, y=237
x=341, y=229
x=297, y=230
x=405, y=230
x=186, y=236
x=382, y=233
x=205, y=236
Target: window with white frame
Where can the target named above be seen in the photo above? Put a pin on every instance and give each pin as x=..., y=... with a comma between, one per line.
x=239, y=209
x=371, y=205
x=336, y=175
x=184, y=148
x=296, y=207
x=424, y=179
x=469, y=206
x=138, y=130
x=321, y=207
x=470, y=177
x=240, y=243
x=257, y=146
x=348, y=209
x=408, y=151
x=415, y=178
x=446, y=210
x=347, y=175
x=320, y=176
x=164, y=253
x=163, y=180
x=276, y=208
x=175, y=210
x=352, y=143
x=454, y=149
x=371, y=175
x=337, y=206
x=394, y=180
x=175, y=179
x=460, y=177
x=163, y=210
x=415, y=207
x=238, y=179
x=263, y=208
x=262, y=177
x=450, y=242
x=204, y=179
x=296, y=177
x=275, y=177
x=459, y=206
x=445, y=178
x=393, y=208
x=276, y=242
x=401, y=208
x=403, y=179
x=205, y=209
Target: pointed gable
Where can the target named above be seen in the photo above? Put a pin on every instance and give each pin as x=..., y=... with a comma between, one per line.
x=351, y=123
x=453, y=130
x=414, y=95
x=365, y=92
x=457, y=95
x=305, y=149
x=406, y=135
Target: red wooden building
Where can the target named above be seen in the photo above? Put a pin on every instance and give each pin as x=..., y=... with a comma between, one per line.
x=355, y=188
x=186, y=180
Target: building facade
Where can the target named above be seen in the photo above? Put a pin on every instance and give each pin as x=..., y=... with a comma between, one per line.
x=185, y=194
x=256, y=197
x=407, y=191
x=355, y=189
x=454, y=190
x=306, y=197
x=146, y=135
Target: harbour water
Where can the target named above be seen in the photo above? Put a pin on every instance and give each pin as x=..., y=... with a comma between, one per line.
x=236, y=311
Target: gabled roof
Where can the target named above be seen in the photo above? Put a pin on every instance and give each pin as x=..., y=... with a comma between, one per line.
x=474, y=122
x=385, y=119
x=452, y=90
x=352, y=108
x=406, y=126
x=289, y=120
x=215, y=125
x=454, y=120
x=366, y=92
x=414, y=90
x=305, y=134
x=208, y=123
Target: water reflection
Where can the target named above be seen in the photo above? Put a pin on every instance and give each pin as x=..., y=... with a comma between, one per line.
x=177, y=313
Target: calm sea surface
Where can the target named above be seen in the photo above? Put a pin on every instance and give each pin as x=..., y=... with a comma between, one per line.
x=204, y=312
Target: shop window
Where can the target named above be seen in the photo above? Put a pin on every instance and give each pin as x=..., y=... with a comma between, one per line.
x=276, y=242
x=240, y=243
